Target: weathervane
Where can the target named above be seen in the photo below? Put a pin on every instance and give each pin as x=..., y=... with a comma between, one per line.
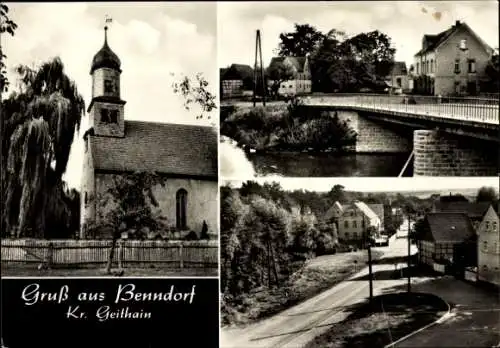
x=107, y=20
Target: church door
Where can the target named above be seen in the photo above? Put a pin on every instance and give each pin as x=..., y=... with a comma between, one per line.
x=181, y=207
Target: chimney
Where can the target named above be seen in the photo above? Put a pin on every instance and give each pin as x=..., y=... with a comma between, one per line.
x=457, y=23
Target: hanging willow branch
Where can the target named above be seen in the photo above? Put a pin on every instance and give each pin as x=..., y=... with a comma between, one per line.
x=40, y=127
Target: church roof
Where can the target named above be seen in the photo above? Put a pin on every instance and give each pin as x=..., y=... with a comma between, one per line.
x=160, y=147
x=105, y=57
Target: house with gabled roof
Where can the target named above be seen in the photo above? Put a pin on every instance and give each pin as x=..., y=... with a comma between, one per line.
x=236, y=80
x=354, y=221
x=398, y=79
x=301, y=82
x=488, y=247
x=452, y=62
x=474, y=210
x=184, y=155
x=444, y=237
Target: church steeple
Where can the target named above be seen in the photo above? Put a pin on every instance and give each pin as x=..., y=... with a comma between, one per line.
x=106, y=108
x=105, y=58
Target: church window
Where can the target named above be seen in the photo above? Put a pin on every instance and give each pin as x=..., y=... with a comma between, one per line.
x=113, y=116
x=181, y=207
x=109, y=116
x=109, y=86
x=105, y=115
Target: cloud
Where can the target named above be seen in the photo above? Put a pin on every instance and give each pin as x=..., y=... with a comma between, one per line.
x=150, y=44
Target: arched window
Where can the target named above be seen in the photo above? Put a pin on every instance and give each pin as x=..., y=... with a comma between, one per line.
x=181, y=208
x=86, y=198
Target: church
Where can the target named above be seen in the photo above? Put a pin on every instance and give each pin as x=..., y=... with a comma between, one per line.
x=185, y=155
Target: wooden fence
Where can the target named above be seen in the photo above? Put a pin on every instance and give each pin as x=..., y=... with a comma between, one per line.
x=128, y=253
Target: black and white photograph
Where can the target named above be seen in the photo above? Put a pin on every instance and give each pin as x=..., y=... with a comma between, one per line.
x=364, y=88
x=360, y=262
x=109, y=139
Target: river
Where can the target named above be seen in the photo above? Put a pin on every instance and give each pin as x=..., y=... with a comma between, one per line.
x=235, y=163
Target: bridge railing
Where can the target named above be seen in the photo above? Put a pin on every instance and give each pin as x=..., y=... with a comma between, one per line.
x=485, y=110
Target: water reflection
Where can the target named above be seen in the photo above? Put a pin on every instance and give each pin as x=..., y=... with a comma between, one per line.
x=325, y=165
x=236, y=163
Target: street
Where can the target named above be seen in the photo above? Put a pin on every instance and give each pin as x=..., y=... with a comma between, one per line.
x=298, y=325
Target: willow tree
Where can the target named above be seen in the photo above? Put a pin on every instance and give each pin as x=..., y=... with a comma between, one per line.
x=40, y=124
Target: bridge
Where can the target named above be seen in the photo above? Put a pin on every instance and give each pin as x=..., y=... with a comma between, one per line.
x=446, y=136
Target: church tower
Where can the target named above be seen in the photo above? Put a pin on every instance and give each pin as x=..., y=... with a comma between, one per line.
x=106, y=110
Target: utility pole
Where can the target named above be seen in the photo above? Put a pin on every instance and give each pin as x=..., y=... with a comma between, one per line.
x=260, y=73
x=370, y=273
x=409, y=254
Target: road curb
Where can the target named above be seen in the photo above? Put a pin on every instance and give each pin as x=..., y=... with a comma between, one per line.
x=438, y=321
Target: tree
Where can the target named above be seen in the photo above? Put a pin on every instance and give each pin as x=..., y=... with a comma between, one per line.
x=40, y=124
x=487, y=194
x=6, y=26
x=195, y=91
x=130, y=203
x=305, y=39
x=492, y=72
x=277, y=74
x=349, y=64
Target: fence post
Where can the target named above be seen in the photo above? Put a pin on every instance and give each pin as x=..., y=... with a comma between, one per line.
x=50, y=255
x=120, y=254
x=181, y=261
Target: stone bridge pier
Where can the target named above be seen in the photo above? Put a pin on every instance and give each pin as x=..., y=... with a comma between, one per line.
x=435, y=152
x=376, y=137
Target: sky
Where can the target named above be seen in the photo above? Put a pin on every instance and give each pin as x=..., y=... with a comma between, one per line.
x=152, y=40
x=404, y=21
x=379, y=184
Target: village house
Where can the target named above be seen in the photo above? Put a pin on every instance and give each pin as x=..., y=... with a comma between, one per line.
x=398, y=79
x=452, y=62
x=301, y=81
x=475, y=211
x=236, y=81
x=354, y=221
x=184, y=155
x=445, y=238
x=488, y=248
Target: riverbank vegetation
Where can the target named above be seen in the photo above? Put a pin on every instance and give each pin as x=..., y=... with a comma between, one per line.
x=269, y=238
x=287, y=127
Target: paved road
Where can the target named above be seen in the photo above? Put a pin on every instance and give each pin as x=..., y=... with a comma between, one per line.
x=474, y=319
x=300, y=324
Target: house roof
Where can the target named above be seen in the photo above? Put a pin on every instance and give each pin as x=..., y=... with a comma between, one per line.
x=366, y=210
x=330, y=212
x=431, y=42
x=160, y=147
x=377, y=209
x=297, y=62
x=449, y=227
x=399, y=68
x=473, y=210
x=237, y=72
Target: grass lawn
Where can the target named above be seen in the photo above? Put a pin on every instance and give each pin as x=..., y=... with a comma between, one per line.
x=388, y=318
x=33, y=271
x=317, y=275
